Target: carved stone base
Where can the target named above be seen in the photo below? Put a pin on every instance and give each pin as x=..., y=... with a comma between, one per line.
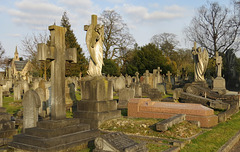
x=201, y=83
x=219, y=84
x=97, y=104
x=55, y=135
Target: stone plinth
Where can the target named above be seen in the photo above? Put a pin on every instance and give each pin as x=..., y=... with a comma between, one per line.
x=219, y=84
x=55, y=135
x=145, y=108
x=97, y=104
x=201, y=83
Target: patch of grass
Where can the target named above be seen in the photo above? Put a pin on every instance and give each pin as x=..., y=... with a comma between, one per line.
x=78, y=95
x=168, y=95
x=153, y=147
x=146, y=127
x=213, y=139
x=69, y=114
x=11, y=105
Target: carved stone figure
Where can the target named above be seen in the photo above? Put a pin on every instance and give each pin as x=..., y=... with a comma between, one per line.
x=94, y=40
x=200, y=62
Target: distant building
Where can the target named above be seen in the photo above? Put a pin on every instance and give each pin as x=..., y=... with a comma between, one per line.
x=18, y=69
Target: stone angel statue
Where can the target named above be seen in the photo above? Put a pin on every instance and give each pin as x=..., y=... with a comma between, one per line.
x=200, y=59
x=94, y=40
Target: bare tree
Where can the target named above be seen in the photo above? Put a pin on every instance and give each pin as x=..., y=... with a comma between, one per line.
x=117, y=38
x=29, y=46
x=214, y=27
x=2, y=59
x=160, y=39
x=166, y=42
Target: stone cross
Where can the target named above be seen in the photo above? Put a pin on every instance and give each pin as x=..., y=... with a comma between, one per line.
x=169, y=76
x=219, y=64
x=137, y=77
x=57, y=54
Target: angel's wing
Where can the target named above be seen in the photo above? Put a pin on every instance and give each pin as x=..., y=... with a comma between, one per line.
x=205, y=58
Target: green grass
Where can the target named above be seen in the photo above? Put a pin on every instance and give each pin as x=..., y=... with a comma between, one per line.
x=167, y=95
x=213, y=139
x=11, y=105
x=152, y=147
x=78, y=95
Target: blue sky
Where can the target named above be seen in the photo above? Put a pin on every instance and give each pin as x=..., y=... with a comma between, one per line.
x=144, y=18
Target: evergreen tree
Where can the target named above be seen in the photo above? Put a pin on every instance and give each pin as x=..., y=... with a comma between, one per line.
x=73, y=69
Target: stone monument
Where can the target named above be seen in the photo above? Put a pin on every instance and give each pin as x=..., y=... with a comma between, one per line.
x=200, y=59
x=59, y=133
x=97, y=104
x=219, y=83
x=118, y=142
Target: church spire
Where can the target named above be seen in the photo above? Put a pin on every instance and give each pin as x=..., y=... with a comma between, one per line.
x=16, y=52
x=16, y=57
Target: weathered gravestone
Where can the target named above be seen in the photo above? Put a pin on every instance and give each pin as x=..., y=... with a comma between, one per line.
x=120, y=83
x=58, y=133
x=167, y=123
x=2, y=82
x=31, y=104
x=169, y=83
x=25, y=86
x=42, y=96
x=124, y=96
x=17, y=91
x=117, y=142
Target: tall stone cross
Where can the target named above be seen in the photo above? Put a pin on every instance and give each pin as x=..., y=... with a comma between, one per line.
x=219, y=64
x=94, y=34
x=137, y=77
x=57, y=53
x=169, y=76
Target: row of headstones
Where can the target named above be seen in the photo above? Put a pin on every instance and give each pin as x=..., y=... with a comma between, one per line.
x=21, y=87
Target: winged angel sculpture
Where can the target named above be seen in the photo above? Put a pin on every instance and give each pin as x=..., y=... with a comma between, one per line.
x=200, y=62
x=94, y=40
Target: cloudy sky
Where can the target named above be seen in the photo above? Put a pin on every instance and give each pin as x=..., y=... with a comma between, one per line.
x=145, y=18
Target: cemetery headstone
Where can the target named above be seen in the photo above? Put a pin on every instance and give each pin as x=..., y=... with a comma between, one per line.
x=124, y=96
x=118, y=142
x=31, y=103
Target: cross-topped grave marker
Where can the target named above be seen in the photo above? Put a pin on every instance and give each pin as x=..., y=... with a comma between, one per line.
x=159, y=75
x=169, y=76
x=94, y=40
x=57, y=54
x=219, y=64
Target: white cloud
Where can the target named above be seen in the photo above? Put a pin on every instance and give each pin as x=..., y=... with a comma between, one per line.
x=140, y=13
x=174, y=8
x=35, y=14
x=115, y=1
x=78, y=3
